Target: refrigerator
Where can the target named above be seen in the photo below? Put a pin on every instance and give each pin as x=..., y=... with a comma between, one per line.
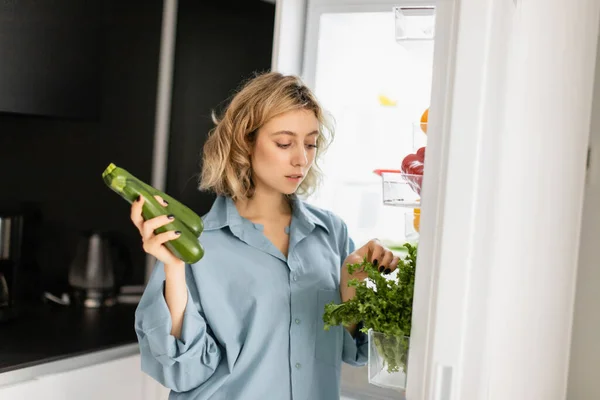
x=507, y=286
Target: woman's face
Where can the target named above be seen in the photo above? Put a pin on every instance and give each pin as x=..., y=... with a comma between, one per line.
x=284, y=151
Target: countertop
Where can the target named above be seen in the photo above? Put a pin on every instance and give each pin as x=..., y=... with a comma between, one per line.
x=50, y=332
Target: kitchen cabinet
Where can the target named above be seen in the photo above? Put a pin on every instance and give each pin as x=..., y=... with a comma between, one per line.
x=116, y=379
x=152, y=390
x=24, y=390
x=79, y=149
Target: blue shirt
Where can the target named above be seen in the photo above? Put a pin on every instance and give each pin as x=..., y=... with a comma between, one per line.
x=253, y=325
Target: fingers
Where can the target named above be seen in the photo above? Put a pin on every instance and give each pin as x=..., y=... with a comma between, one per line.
x=385, y=266
x=151, y=225
x=375, y=252
x=381, y=258
x=161, y=200
x=153, y=244
x=392, y=265
x=136, y=213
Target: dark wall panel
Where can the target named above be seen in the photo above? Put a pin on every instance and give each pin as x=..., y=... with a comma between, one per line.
x=56, y=164
x=218, y=46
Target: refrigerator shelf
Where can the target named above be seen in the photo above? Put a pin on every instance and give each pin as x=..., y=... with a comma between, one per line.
x=400, y=189
x=414, y=23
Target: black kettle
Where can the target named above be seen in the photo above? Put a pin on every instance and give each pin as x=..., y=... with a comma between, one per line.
x=92, y=272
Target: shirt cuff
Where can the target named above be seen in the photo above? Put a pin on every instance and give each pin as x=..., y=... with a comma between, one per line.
x=356, y=348
x=165, y=347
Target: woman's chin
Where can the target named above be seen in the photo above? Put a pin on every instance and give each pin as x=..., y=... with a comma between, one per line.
x=288, y=192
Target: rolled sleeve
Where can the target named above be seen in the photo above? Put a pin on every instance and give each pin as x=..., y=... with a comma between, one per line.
x=356, y=349
x=180, y=364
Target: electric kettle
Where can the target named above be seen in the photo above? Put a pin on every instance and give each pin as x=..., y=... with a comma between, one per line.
x=92, y=272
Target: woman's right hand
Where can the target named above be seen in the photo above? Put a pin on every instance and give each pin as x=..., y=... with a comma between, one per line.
x=154, y=244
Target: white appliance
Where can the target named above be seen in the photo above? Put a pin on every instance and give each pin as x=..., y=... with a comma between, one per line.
x=507, y=288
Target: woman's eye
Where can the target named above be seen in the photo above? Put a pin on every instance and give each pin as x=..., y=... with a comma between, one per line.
x=311, y=146
x=283, y=146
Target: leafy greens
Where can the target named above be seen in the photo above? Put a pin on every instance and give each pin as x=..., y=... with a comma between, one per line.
x=385, y=308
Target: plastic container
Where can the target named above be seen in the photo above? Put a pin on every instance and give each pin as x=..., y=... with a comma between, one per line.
x=388, y=357
x=414, y=23
x=400, y=189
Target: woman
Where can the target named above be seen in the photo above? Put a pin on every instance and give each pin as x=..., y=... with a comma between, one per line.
x=245, y=322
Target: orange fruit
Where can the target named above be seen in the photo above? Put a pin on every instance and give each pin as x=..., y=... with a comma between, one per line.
x=424, y=119
x=417, y=219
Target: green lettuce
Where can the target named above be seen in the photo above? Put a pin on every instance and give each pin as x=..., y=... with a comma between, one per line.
x=385, y=306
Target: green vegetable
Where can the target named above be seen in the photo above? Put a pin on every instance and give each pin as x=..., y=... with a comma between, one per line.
x=187, y=246
x=114, y=177
x=385, y=308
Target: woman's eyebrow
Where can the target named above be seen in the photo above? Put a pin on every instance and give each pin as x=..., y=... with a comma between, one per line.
x=290, y=133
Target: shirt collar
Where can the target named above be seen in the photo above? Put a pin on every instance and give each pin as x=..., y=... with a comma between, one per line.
x=305, y=215
x=224, y=213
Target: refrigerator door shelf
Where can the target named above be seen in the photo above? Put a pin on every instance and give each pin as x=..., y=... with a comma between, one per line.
x=400, y=189
x=414, y=23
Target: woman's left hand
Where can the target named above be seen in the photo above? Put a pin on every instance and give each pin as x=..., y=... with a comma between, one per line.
x=381, y=258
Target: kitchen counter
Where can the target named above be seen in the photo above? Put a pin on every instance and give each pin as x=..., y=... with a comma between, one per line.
x=50, y=332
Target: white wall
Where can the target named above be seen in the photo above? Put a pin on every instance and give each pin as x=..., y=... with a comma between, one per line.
x=583, y=381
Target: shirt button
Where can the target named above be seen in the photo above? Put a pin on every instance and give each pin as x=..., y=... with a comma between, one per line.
x=295, y=278
x=298, y=365
x=297, y=321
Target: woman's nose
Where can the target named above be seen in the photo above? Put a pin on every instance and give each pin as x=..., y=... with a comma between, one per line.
x=300, y=158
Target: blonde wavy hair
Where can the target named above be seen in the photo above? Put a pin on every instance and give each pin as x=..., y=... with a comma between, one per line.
x=226, y=165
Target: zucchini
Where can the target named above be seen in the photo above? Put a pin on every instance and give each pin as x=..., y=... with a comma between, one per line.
x=187, y=246
x=185, y=214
